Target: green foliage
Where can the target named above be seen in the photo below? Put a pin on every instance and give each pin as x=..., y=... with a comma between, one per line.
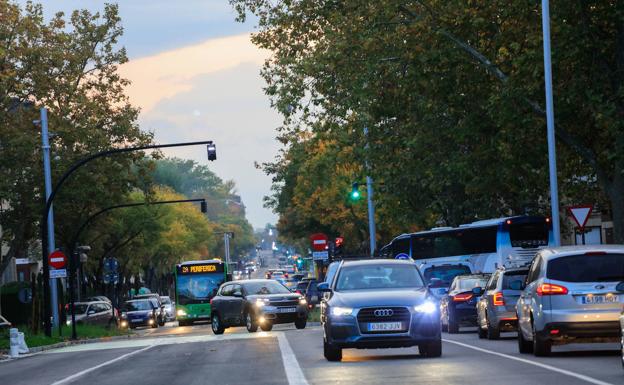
x=452, y=95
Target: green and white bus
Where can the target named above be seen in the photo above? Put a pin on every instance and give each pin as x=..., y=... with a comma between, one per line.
x=196, y=282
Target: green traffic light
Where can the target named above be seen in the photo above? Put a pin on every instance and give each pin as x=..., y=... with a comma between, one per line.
x=355, y=194
x=355, y=191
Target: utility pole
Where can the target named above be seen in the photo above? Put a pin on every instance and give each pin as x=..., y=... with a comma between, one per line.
x=371, y=205
x=226, y=245
x=51, y=283
x=550, y=122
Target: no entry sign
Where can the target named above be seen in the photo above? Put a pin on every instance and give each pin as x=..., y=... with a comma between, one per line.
x=319, y=241
x=57, y=259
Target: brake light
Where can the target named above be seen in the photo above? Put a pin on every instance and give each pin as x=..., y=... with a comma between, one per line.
x=285, y=275
x=462, y=297
x=551, y=289
x=499, y=300
x=298, y=292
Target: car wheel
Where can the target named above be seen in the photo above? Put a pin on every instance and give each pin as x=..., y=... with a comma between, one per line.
x=493, y=332
x=541, y=346
x=252, y=326
x=217, y=327
x=524, y=346
x=482, y=333
x=331, y=353
x=267, y=326
x=300, y=323
x=431, y=349
x=452, y=326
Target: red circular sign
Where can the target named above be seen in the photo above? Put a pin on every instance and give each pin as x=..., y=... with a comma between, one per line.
x=57, y=259
x=319, y=241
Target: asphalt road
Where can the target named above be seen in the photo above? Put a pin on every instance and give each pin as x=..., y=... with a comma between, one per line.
x=193, y=355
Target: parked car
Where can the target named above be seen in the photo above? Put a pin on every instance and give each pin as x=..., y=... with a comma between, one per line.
x=160, y=312
x=140, y=312
x=570, y=296
x=496, y=310
x=98, y=298
x=94, y=313
x=381, y=303
x=257, y=303
x=458, y=307
x=169, y=308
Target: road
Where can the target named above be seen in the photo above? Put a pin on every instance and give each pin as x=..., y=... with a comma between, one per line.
x=193, y=355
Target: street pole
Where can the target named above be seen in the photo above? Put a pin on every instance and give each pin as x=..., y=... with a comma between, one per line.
x=47, y=172
x=371, y=205
x=550, y=122
x=226, y=246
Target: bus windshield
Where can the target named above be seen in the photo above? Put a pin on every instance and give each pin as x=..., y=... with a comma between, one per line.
x=198, y=288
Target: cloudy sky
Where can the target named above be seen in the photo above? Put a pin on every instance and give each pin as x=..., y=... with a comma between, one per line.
x=195, y=75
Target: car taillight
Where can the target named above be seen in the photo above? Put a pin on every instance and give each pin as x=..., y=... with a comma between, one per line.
x=499, y=300
x=462, y=297
x=551, y=289
x=285, y=275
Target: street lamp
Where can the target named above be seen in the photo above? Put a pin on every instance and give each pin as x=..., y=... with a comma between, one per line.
x=211, y=148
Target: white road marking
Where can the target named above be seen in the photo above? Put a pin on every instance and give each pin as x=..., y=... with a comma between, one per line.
x=294, y=374
x=73, y=377
x=591, y=380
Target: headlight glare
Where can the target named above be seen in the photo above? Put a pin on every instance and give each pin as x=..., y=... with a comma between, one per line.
x=341, y=311
x=426, y=307
x=181, y=313
x=302, y=301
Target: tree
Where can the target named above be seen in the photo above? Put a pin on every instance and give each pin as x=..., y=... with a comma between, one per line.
x=452, y=93
x=68, y=65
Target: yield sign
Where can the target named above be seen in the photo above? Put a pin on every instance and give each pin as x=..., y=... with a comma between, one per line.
x=580, y=214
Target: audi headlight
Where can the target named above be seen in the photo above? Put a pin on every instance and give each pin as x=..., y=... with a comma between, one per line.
x=181, y=313
x=426, y=307
x=341, y=311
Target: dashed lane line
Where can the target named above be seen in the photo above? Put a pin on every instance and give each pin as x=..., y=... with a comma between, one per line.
x=294, y=374
x=583, y=377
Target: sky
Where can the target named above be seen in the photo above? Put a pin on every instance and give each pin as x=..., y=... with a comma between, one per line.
x=195, y=76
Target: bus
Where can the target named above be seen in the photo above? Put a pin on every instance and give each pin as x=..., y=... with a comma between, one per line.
x=196, y=282
x=478, y=247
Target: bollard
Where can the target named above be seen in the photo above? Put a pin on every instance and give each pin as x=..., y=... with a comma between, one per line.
x=22, y=347
x=14, y=343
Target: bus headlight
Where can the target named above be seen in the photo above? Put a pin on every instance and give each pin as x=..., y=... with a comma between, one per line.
x=181, y=313
x=426, y=307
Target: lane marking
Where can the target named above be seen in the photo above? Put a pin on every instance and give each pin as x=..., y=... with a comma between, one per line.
x=73, y=377
x=583, y=377
x=294, y=374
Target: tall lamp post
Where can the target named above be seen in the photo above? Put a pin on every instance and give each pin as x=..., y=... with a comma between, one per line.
x=212, y=155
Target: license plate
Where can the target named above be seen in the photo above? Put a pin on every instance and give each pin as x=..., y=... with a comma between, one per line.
x=286, y=309
x=136, y=320
x=598, y=299
x=384, y=326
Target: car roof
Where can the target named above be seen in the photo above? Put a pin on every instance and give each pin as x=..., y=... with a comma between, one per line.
x=516, y=270
x=90, y=302
x=138, y=300
x=563, y=251
x=378, y=261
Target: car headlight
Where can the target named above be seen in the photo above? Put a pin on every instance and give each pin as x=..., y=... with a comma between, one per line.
x=261, y=302
x=68, y=322
x=181, y=313
x=124, y=314
x=341, y=311
x=302, y=301
x=426, y=307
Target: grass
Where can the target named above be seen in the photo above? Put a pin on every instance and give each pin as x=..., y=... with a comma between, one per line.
x=40, y=339
x=315, y=314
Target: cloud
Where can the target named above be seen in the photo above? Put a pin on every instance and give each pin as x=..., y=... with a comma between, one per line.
x=212, y=91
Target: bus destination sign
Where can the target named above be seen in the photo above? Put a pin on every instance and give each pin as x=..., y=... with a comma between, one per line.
x=200, y=268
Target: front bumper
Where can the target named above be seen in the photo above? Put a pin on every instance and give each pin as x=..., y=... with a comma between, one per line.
x=136, y=322
x=274, y=315
x=346, y=332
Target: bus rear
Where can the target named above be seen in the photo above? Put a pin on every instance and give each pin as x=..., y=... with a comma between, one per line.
x=520, y=238
x=196, y=282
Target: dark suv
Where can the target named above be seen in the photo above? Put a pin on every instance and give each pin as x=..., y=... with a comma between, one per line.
x=257, y=302
x=379, y=303
x=458, y=307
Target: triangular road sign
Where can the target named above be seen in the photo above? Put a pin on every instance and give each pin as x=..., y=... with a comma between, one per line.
x=580, y=214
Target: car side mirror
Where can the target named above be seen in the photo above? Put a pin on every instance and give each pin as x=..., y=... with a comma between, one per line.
x=477, y=291
x=323, y=287
x=620, y=287
x=516, y=285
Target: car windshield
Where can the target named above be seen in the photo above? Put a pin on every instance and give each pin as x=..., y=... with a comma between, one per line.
x=383, y=276
x=470, y=283
x=587, y=268
x=137, y=306
x=445, y=274
x=265, y=287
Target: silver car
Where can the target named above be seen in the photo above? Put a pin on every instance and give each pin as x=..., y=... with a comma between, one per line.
x=168, y=307
x=496, y=309
x=570, y=296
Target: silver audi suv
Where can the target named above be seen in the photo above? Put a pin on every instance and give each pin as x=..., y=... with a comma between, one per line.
x=379, y=303
x=571, y=294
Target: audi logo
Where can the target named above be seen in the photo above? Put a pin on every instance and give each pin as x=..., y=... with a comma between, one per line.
x=383, y=312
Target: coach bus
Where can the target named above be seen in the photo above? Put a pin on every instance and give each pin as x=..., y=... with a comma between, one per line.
x=481, y=246
x=196, y=282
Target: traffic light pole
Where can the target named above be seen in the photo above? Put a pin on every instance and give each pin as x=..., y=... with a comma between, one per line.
x=371, y=204
x=48, y=205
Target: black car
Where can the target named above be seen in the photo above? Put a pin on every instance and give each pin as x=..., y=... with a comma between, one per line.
x=380, y=303
x=161, y=314
x=458, y=307
x=257, y=302
x=139, y=312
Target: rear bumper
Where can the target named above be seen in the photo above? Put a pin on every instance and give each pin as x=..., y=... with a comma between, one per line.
x=464, y=314
x=506, y=320
x=606, y=331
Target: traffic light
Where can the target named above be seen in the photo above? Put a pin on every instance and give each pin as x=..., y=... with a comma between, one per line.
x=299, y=263
x=212, y=151
x=355, y=191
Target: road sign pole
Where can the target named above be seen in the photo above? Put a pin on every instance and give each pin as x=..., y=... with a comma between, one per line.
x=550, y=122
x=72, y=278
x=50, y=283
x=371, y=206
